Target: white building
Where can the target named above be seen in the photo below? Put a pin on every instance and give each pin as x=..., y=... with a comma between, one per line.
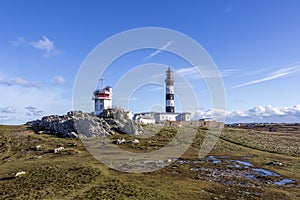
x=145, y=118
x=160, y=118
x=103, y=99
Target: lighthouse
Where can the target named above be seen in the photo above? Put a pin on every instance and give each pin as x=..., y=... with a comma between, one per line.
x=103, y=98
x=170, y=92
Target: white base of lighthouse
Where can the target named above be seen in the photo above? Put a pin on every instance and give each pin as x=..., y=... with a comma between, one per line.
x=103, y=99
x=101, y=105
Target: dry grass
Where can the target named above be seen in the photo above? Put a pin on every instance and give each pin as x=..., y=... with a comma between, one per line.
x=75, y=174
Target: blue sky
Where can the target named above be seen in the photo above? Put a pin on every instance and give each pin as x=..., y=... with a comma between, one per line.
x=255, y=45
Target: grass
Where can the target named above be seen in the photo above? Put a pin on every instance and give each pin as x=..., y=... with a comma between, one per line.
x=274, y=142
x=75, y=174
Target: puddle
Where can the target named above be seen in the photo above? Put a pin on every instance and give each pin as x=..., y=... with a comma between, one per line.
x=228, y=183
x=198, y=161
x=248, y=164
x=195, y=169
x=233, y=168
x=284, y=182
x=224, y=157
x=251, y=176
x=213, y=159
x=183, y=162
x=265, y=172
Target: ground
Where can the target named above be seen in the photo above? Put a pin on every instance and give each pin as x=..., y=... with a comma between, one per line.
x=244, y=164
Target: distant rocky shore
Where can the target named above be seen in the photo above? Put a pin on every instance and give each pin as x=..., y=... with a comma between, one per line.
x=80, y=124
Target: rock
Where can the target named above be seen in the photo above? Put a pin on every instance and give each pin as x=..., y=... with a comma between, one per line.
x=120, y=141
x=59, y=149
x=275, y=163
x=135, y=141
x=72, y=135
x=20, y=173
x=130, y=128
x=37, y=157
x=38, y=147
x=76, y=124
x=72, y=144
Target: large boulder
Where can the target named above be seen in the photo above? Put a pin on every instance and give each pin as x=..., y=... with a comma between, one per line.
x=130, y=127
x=124, y=124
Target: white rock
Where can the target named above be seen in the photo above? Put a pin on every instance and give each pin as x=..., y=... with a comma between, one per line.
x=20, y=173
x=135, y=141
x=38, y=147
x=59, y=149
x=120, y=141
x=72, y=135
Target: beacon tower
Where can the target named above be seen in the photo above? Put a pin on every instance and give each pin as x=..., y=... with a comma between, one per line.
x=169, y=92
x=103, y=98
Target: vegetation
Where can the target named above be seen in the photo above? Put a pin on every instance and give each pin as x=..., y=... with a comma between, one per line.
x=74, y=174
x=274, y=142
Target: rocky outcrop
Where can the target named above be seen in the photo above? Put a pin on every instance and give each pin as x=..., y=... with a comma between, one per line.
x=79, y=124
x=124, y=124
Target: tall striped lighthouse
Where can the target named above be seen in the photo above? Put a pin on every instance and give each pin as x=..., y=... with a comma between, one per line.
x=170, y=92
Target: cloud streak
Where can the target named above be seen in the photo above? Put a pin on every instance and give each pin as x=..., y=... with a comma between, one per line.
x=8, y=109
x=18, y=81
x=192, y=73
x=32, y=111
x=272, y=76
x=160, y=50
x=18, y=42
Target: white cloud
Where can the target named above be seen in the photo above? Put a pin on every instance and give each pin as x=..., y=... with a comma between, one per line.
x=267, y=113
x=18, y=81
x=259, y=113
x=30, y=108
x=32, y=111
x=217, y=114
x=18, y=42
x=6, y=119
x=30, y=103
x=192, y=72
x=59, y=80
x=8, y=109
x=45, y=45
x=274, y=75
x=160, y=50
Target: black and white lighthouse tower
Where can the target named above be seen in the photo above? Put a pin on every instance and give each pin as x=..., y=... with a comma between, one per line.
x=170, y=92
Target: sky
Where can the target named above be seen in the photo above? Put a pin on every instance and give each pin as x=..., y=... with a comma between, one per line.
x=254, y=44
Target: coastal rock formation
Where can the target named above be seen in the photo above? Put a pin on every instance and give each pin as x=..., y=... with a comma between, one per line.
x=80, y=124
